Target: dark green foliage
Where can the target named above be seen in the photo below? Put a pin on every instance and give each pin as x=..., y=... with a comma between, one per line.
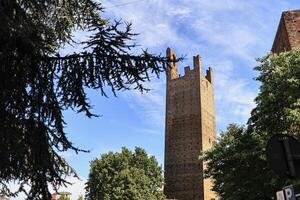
x=126, y=175
x=237, y=163
x=278, y=102
x=37, y=84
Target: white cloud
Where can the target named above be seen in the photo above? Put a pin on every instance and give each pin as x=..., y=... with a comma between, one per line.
x=216, y=5
x=231, y=38
x=149, y=106
x=151, y=19
x=193, y=27
x=181, y=11
x=234, y=96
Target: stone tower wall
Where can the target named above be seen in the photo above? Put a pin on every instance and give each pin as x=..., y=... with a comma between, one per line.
x=208, y=124
x=190, y=128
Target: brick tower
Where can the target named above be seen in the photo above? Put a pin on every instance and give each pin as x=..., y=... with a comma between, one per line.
x=190, y=129
x=288, y=32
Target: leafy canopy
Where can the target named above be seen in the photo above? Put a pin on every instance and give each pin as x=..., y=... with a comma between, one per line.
x=38, y=84
x=237, y=163
x=126, y=175
x=278, y=101
x=238, y=166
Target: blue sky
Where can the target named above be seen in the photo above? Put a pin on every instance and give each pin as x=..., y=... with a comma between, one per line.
x=228, y=35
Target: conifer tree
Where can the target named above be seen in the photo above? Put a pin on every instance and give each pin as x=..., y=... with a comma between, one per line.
x=38, y=84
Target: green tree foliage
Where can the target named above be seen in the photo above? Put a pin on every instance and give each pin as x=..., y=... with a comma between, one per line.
x=126, y=175
x=237, y=162
x=80, y=197
x=38, y=84
x=278, y=101
x=64, y=197
x=238, y=166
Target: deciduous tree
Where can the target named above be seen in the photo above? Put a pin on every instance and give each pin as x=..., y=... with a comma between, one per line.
x=237, y=162
x=278, y=101
x=125, y=175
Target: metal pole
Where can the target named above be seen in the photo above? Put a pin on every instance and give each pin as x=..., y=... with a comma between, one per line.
x=289, y=157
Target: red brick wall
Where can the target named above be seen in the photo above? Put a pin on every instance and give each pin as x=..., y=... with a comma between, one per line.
x=288, y=33
x=190, y=128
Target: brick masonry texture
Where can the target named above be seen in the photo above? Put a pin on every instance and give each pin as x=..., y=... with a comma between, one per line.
x=288, y=32
x=190, y=129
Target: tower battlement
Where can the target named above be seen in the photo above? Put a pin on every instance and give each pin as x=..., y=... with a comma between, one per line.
x=190, y=129
x=172, y=72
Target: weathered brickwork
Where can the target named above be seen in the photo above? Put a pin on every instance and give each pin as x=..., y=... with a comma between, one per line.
x=288, y=33
x=190, y=128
